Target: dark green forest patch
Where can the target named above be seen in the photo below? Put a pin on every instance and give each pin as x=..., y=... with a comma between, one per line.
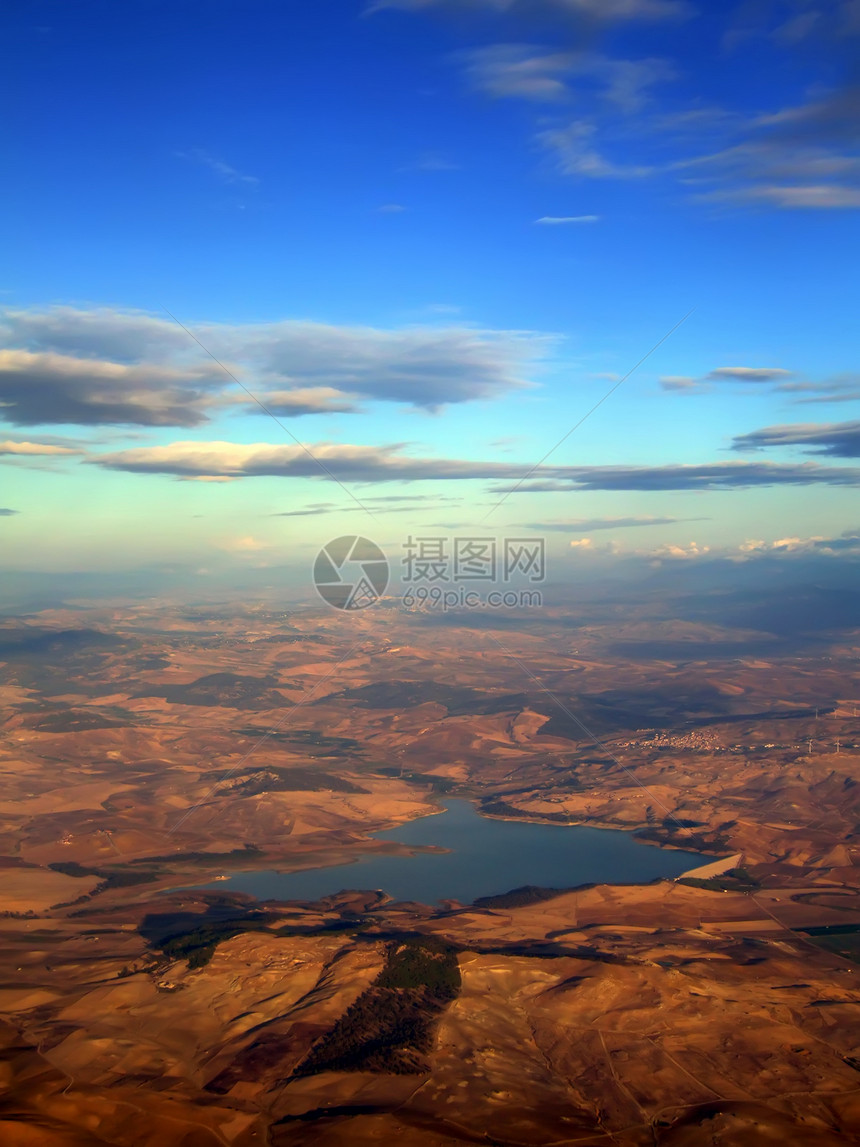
x=266, y=779
x=228, y=690
x=519, y=897
x=391, y=1026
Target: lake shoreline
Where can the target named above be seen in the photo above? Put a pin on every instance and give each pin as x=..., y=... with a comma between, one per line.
x=457, y=852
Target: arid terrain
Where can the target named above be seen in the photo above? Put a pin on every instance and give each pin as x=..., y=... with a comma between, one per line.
x=149, y=748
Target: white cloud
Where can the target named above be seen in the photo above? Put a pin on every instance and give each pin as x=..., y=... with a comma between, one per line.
x=244, y=545
x=350, y=463
x=787, y=548
x=687, y=384
x=749, y=373
x=678, y=382
x=847, y=543
x=35, y=449
x=95, y=332
x=681, y=553
x=344, y=462
x=301, y=400
x=559, y=220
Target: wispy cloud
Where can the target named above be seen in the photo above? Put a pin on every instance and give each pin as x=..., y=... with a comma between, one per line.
x=6, y=513
x=381, y=505
x=560, y=220
x=682, y=382
x=607, y=91
x=790, y=22
x=36, y=449
x=518, y=70
x=821, y=196
x=576, y=153
x=302, y=400
x=433, y=161
x=802, y=157
x=239, y=460
x=843, y=388
x=749, y=373
x=687, y=384
x=834, y=439
x=224, y=171
x=707, y=476
x=389, y=463
x=602, y=11
x=525, y=71
x=797, y=27
x=588, y=525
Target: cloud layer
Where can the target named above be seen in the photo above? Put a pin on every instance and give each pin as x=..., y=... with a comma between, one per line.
x=800, y=157
x=587, y=525
x=559, y=220
x=53, y=388
x=741, y=374
x=709, y=476
x=834, y=439
x=36, y=449
x=100, y=367
x=350, y=463
x=595, y=10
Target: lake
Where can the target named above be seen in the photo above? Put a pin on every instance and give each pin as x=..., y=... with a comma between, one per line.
x=486, y=857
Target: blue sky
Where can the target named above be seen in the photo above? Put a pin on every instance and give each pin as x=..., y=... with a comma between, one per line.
x=429, y=237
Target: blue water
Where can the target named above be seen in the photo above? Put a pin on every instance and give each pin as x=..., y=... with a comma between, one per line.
x=486, y=857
